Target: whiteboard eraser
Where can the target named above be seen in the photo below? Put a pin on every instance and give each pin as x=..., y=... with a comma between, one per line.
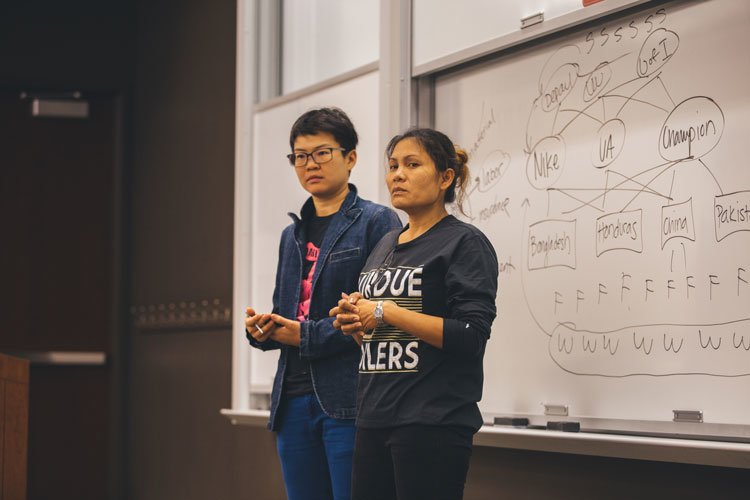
x=514, y=421
x=564, y=426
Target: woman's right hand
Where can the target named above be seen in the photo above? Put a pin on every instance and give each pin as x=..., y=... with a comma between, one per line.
x=347, y=316
x=259, y=326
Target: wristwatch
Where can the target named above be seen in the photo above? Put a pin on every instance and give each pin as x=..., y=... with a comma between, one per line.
x=378, y=313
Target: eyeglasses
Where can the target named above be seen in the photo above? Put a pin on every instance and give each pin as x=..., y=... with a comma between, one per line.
x=322, y=155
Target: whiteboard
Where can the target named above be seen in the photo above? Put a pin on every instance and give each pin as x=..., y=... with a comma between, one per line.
x=276, y=191
x=609, y=171
x=325, y=38
x=443, y=28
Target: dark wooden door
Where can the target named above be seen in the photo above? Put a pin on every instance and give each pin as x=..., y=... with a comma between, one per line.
x=56, y=291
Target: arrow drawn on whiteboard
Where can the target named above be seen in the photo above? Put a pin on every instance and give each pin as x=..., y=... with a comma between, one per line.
x=684, y=254
x=475, y=186
x=684, y=258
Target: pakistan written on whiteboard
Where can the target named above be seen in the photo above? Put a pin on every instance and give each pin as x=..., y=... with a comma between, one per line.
x=634, y=250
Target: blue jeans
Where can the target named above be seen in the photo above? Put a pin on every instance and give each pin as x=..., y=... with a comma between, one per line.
x=315, y=451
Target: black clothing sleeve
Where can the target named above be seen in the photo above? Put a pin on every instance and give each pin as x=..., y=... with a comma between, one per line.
x=471, y=285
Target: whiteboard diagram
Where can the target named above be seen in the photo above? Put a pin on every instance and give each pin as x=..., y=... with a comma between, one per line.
x=601, y=96
x=617, y=196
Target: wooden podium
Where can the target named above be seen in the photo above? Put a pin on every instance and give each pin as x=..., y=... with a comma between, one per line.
x=14, y=426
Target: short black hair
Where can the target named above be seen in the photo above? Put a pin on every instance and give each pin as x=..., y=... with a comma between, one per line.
x=326, y=120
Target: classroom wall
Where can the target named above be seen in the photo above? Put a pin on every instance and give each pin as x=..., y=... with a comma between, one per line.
x=497, y=473
x=180, y=447
x=78, y=44
x=47, y=45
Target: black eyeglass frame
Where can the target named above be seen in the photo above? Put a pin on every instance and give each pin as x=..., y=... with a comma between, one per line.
x=309, y=156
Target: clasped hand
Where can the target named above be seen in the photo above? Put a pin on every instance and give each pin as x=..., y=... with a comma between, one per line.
x=272, y=326
x=354, y=316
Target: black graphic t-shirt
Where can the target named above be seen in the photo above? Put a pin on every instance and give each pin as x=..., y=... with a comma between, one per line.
x=451, y=272
x=297, y=379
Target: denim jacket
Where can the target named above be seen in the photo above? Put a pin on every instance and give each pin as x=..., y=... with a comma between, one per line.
x=334, y=357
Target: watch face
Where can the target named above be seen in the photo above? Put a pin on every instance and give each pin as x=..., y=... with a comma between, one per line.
x=378, y=313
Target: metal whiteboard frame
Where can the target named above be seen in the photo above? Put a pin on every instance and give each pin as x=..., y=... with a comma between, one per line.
x=660, y=449
x=526, y=35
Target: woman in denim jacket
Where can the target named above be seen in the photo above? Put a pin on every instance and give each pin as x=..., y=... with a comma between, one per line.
x=313, y=403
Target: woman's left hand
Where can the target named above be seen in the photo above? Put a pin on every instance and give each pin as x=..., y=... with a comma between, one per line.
x=354, y=315
x=366, y=313
x=287, y=330
x=346, y=313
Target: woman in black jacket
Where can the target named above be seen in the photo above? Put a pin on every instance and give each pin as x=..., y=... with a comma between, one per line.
x=422, y=315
